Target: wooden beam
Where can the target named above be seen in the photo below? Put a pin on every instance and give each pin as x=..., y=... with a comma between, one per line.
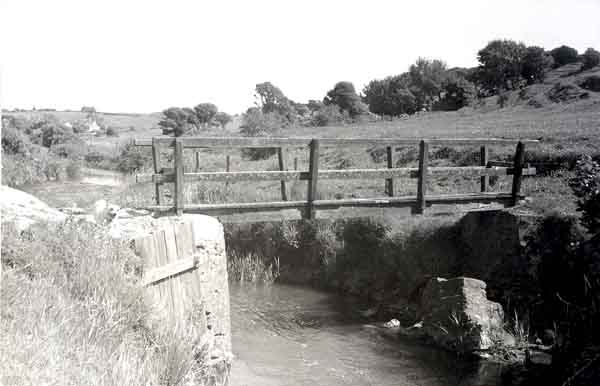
x=179, y=177
x=273, y=142
x=422, y=181
x=171, y=269
x=156, y=163
x=518, y=172
x=281, y=163
x=197, y=161
x=483, y=154
x=313, y=172
x=389, y=183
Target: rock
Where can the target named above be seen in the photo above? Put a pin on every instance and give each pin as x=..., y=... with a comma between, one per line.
x=394, y=323
x=23, y=209
x=457, y=314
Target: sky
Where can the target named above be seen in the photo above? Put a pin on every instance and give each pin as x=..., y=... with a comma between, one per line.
x=145, y=56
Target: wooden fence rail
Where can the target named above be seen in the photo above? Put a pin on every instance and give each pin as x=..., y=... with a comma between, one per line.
x=418, y=203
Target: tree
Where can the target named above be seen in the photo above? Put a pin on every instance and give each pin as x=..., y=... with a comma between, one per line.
x=500, y=65
x=390, y=96
x=255, y=123
x=426, y=77
x=344, y=96
x=535, y=64
x=205, y=112
x=272, y=100
x=55, y=134
x=175, y=121
x=457, y=91
x=222, y=118
x=590, y=58
x=564, y=55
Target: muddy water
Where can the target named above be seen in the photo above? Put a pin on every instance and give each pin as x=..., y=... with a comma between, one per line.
x=288, y=335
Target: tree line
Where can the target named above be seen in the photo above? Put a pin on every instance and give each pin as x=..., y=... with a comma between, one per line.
x=428, y=85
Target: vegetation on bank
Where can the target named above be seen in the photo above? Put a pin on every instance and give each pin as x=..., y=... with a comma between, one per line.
x=73, y=313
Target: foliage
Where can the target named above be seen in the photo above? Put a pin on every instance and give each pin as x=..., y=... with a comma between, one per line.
x=14, y=141
x=344, y=96
x=457, y=92
x=53, y=134
x=500, y=65
x=73, y=171
x=111, y=132
x=390, y=96
x=176, y=121
x=133, y=158
x=590, y=59
x=272, y=100
x=535, y=64
x=586, y=186
x=205, y=112
x=426, y=77
x=255, y=123
x=329, y=115
x=222, y=118
x=564, y=55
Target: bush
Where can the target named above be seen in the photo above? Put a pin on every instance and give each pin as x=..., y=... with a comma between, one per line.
x=14, y=141
x=564, y=55
x=53, y=134
x=73, y=171
x=329, y=115
x=133, y=158
x=586, y=186
x=112, y=132
x=590, y=59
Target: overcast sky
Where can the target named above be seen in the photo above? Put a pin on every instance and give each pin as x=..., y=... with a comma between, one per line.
x=144, y=56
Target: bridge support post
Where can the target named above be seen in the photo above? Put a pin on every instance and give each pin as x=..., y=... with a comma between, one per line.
x=518, y=172
x=281, y=161
x=422, y=181
x=313, y=173
x=156, y=164
x=179, y=164
x=389, y=183
x=484, y=162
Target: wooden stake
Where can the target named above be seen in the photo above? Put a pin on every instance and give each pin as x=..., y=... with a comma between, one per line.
x=389, y=183
x=179, y=163
x=518, y=172
x=156, y=164
x=484, y=162
x=422, y=175
x=281, y=159
x=313, y=172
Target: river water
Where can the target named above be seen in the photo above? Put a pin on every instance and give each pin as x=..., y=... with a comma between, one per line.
x=290, y=335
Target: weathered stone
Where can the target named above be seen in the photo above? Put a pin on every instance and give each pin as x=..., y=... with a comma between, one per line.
x=457, y=315
x=24, y=210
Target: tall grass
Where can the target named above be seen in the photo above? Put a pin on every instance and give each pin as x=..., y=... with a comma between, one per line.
x=73, y=314
x=252, y=268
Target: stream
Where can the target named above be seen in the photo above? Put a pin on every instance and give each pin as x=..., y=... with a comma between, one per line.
x=290, y=335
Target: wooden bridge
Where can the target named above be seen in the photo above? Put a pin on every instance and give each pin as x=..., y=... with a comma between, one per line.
x=314, y=174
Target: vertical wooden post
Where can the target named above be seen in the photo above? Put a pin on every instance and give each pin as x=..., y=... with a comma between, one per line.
x=313, y=172
x=422, y=181
x=389, y=183
x=281, y=160
x=179, y=176
x=484, y=162
x=197, y=161
x=156, y=164
x=295, y=163
x=518, y=172
x=227, y=163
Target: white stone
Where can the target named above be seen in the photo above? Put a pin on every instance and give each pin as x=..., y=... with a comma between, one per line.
x=23, y=209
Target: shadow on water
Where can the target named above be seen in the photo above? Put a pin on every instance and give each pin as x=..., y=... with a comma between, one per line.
x=292, y=335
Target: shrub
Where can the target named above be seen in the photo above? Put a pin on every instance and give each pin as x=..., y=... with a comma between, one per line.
x=132, y=159
x=14, y=141
x=535, y=64
x=112, y=132
x=53, y=134
x=590, y=59
x=564, y=55
x=586, y=186
x=73, y=171
x=258, y=124
x=345, y=97
x=329, y=115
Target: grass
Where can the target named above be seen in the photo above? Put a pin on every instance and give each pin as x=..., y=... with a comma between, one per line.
x=73, y=314
x=252, y=268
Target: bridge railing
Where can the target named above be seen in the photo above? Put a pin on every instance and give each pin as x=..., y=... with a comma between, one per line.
x=417, y=203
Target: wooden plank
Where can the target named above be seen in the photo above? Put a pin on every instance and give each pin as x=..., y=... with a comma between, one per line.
x=422, y=178
x=389, y=183
x=313, y=171
x=156, y=163
x=179, y=177
x=295, y=163
x=177, y=301
x=518, y=172
x=160, y=273
x=483, y=154
x=291, y=175
x=500, y=163
x=382, y=202
x=197, y=169
x=259, y=142
x=184, y=238
x=228, y=163
x=281, y=162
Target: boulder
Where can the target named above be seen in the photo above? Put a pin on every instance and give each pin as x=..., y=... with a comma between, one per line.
x=457, y=315
x=24, y=210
